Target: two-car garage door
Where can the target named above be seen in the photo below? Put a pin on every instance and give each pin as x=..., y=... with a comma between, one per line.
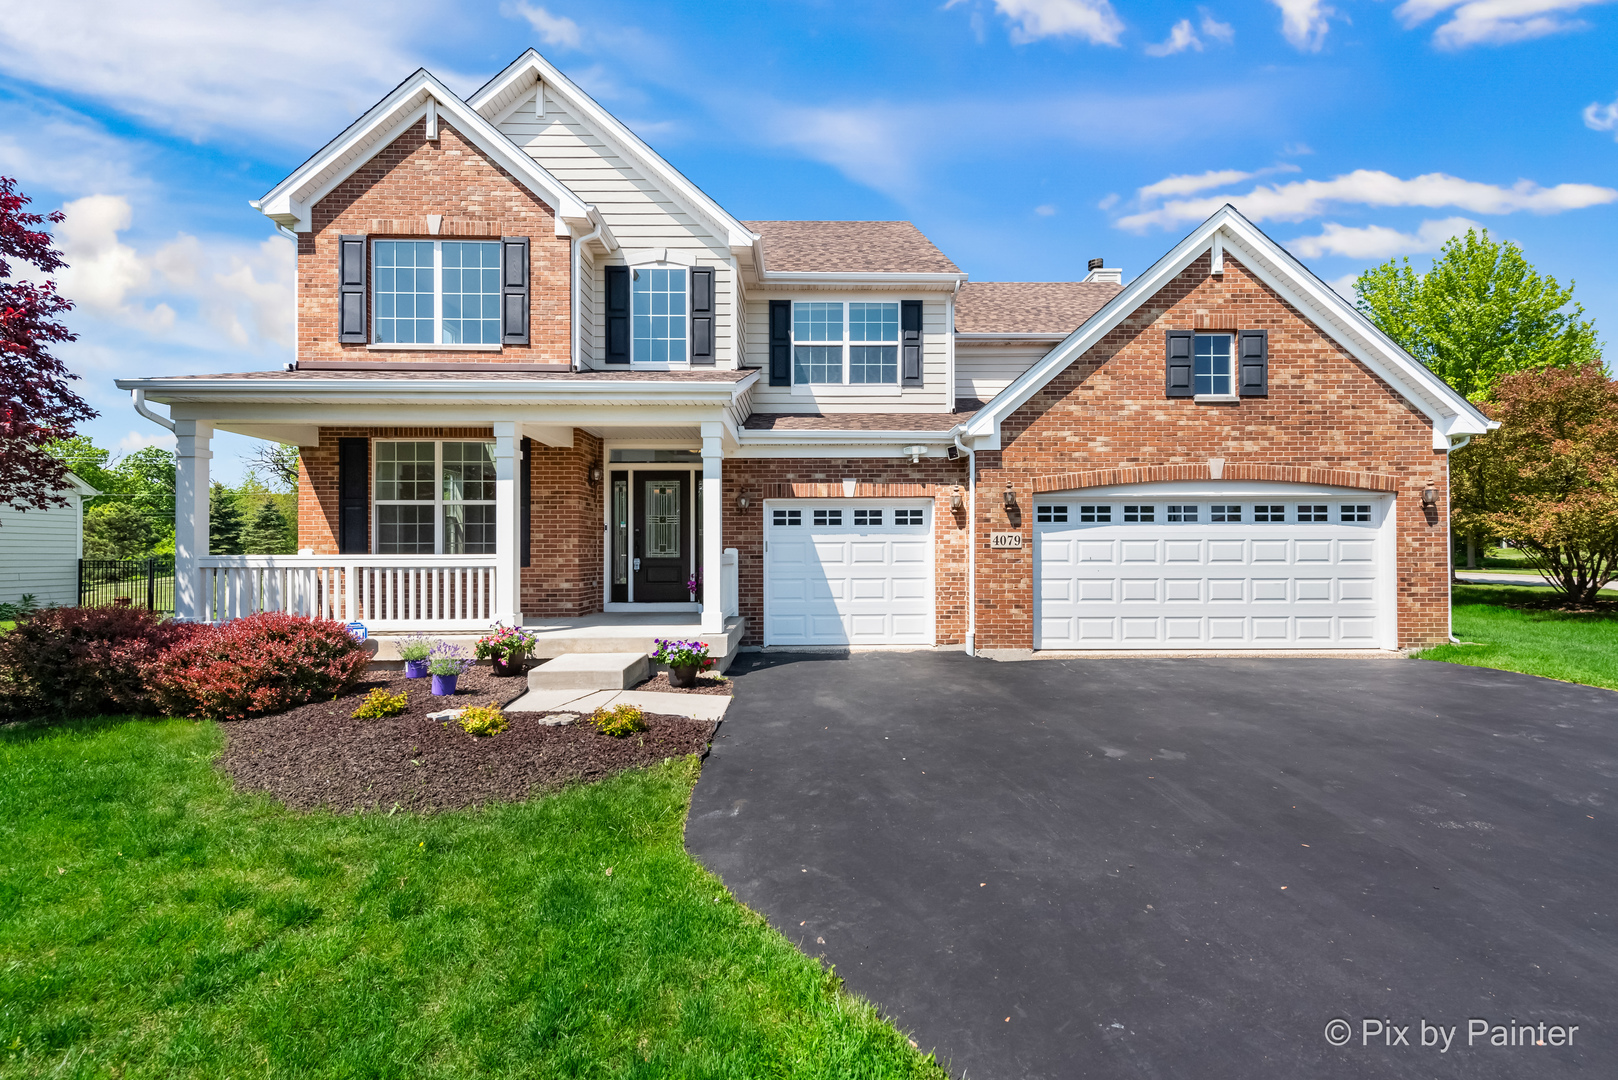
x=848, y=572
x=1184, y=572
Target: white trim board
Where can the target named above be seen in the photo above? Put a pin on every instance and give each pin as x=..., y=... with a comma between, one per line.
x=1451, y=414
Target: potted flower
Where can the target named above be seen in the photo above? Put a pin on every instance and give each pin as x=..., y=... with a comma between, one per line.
x=448, y=663
x=685, y=659
x=506, y=647
x=693, y=584
x=415, y=652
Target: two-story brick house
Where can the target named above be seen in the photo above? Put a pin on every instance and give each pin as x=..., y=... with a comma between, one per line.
x=540, y=375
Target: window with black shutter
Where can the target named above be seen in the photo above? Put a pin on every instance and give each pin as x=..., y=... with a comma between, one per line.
x=1178, y=364
x=351, y=289
x=617, y=307
x=514, y=290
x=702, y=315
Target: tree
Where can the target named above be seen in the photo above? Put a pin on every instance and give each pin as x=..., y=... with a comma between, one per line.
x=278, y=462
x=1482, y=312
x=116, y=530
x=267, y=533
x=36, y=404
x=224, y=521
x=1547, y=479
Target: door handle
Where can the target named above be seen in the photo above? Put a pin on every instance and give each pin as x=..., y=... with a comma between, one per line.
x=637, y=565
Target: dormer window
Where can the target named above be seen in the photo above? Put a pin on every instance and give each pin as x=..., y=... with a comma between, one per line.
x=657, y=296
x=845, y=344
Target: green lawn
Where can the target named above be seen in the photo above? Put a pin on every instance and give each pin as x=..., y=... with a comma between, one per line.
x=1536, y=641
x=153, y=923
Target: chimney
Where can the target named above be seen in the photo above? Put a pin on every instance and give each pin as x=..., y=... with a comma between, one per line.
x=1100, y=271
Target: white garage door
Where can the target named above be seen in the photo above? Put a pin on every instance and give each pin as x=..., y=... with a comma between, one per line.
x=1208, y=573
x=857, y=572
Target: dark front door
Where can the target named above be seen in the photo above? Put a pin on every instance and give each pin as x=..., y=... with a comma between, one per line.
x=662, y=552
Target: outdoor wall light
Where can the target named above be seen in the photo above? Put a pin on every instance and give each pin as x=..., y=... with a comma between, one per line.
x=915, y=453
x=743, y=502
x=955, y=501
x=1429, y=497
x=1008, y=498
x=595, y=474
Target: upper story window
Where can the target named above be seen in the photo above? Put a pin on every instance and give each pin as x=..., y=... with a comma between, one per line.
x=657, y=296
x=435, y=498
x=1211, y=359
x=834, y=343
x=436, y=292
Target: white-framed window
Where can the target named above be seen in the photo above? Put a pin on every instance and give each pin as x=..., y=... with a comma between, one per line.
x=1310, y=512
x=434, y=498
x=1185, y=513
x=838, y=343
x=435, y=292
x=657, y=298
x=1356, y=512
x=907, y=517
x=1211, y=371
x=1054, y=514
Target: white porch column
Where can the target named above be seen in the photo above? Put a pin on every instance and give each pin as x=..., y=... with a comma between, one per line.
x=713, y=538
x=507, y=525
x=191, y=456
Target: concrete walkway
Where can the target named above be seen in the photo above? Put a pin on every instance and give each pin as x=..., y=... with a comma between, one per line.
x=696, y=706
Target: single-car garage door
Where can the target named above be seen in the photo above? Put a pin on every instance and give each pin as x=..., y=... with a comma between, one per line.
x=1175, y=572
x=853, y=572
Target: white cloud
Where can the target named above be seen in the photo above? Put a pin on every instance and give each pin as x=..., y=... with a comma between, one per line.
x=1045, y=210
x=867, y=144
x=46, y=146
x=291, y=73
x=1181, y=37
x=1493, y=22
x=244, y=291
x=1344, y=286
x=1188, y=185
x=1599, y=117
x=140, y=440
x=1212, y=28
x=1304, y=23
x=1378, y=241
x=1093, y=20
x=1303, y=199
x=554, y=29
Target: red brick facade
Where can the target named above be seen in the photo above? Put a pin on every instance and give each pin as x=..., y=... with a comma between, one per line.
x=390, y=196
x=1105, y=419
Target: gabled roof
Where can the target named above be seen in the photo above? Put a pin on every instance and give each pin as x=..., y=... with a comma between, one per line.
x=291, y=201
x=1055, y=308
x=869, y=247
x=1452, y=416
x=522, y=74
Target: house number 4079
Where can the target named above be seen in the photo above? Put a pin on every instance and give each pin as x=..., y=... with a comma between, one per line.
x=1005, y=541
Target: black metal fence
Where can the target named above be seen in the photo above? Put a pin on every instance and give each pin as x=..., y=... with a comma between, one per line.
x=142, y=583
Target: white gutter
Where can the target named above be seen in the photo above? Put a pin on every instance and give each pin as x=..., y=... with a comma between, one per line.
x=971, y=543
x=138, y=396
x=578, y=246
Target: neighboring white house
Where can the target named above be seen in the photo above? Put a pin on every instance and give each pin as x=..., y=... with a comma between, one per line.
x=40, y=549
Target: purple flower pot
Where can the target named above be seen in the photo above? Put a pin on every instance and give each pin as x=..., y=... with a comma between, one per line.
x=444, y=685
x=415, y=669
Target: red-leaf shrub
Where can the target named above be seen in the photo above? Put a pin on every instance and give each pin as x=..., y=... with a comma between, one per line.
x=82, y=661
x=260, y=664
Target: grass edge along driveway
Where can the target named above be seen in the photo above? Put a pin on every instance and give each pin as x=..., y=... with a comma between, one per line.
x=1498, y=632
x=153, y=922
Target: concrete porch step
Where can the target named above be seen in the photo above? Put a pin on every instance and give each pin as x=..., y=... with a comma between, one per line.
x=591, y=671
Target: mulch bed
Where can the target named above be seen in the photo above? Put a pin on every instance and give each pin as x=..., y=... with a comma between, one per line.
x=706, y=684
x=316, y=756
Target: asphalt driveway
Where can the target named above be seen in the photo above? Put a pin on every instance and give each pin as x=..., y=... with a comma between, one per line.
x=1185, y=868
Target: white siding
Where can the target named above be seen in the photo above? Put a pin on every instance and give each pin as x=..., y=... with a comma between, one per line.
x=932, y=396
x=640, y=215
x=982, y=371
x=39, y=553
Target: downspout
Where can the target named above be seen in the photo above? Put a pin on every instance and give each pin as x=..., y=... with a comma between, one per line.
x=1449, y=539
x=971, y=545
x=139, y=398
x=578, y=245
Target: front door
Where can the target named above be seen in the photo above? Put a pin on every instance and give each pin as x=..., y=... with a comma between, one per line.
x=662, y=537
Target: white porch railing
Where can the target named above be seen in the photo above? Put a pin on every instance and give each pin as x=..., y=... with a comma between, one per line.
x=729, y=583
x=385, y=592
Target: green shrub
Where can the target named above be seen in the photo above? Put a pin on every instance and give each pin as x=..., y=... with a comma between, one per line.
x=379, y=704
x=619, y=721
x=484, y=720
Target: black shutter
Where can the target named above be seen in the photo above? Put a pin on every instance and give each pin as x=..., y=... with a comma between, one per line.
x=910, y=340
x=702, y=305
x=353, y=494
x=351, y=323
x=1178, y=379
x=514, y=290
x=525, y=498
x=1253, y=349
x=780, y=342
x=617, y=314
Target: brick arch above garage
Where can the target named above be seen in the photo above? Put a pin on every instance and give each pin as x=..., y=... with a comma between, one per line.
x=1151, y=474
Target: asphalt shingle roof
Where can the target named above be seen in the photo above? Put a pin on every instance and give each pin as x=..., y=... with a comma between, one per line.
x=875, y=247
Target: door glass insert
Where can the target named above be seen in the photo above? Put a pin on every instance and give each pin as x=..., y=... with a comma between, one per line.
x=620, y=532
x=662, y=519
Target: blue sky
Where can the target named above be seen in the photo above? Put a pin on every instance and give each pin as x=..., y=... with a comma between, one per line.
x=1023, y=136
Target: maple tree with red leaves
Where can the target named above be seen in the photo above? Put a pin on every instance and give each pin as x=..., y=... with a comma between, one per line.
x=37, y=406
x=1547, y=479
